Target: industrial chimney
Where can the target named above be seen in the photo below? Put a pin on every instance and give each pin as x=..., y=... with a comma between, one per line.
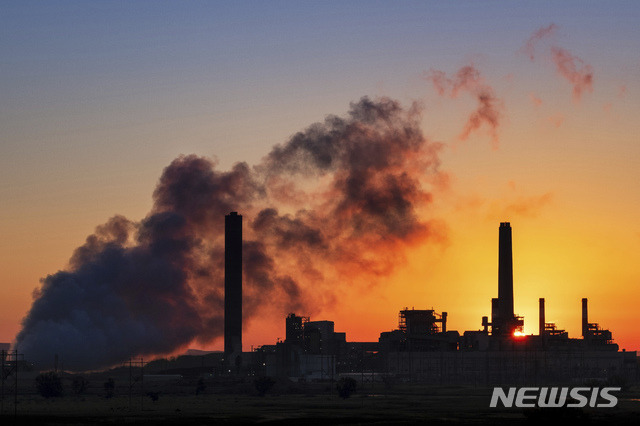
x=541, y=318
x=232, y=285
x=585, y=318
x=505, y=272
x=503, y=320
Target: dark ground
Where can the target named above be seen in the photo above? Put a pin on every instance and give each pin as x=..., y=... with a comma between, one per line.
x=294, y=404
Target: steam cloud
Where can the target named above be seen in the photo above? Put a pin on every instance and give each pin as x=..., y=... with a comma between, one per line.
x=539, y=35
x=339, y=200
x=468, y=79
x=574, y=70
x=570, y=67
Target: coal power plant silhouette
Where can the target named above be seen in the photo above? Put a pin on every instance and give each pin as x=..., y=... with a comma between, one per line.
x=421, y=349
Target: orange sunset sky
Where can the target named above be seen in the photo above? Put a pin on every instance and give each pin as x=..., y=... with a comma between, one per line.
x=97, y=98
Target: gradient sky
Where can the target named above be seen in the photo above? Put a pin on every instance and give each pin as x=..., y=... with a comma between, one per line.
x=96, y=98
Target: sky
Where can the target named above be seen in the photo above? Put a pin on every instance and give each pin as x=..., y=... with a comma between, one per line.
x=532, y=106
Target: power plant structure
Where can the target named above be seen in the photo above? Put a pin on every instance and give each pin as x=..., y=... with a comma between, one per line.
x=422, y=348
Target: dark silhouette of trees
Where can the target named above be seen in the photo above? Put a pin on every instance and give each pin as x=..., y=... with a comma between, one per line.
x=79, y=385
x=201, y=386
x=263, y=384
x=49, y=384
x=109, y=388
x=346, y=386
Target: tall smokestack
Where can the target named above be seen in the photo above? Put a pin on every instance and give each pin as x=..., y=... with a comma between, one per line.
x=505, y=274
x=585, y=318
x=541, y=318
x=233, y=284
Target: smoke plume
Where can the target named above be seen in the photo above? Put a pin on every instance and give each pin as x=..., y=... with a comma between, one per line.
x=538, y=36
x=574, y=70
x=570, y=67
x=489, y=106
x=338, y=201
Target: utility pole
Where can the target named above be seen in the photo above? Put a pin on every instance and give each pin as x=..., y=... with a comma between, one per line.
x=9, y=378
x=136, y=379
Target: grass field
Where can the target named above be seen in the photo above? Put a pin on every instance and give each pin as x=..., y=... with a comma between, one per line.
x=293, y=404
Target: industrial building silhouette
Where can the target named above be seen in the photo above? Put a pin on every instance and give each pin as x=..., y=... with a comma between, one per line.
x=422, y=348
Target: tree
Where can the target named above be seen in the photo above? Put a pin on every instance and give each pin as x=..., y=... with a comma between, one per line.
x=201, y=386
x=263, y=384
x=49, y=384
x=79, y=385
x=346, y=386
x=109, y=388
x=388, y=381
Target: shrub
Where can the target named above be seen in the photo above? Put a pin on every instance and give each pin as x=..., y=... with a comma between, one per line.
x=109, y=388
x=388, y=381
x=618, y=381
x=79, y=385
x=201, y=386
x=263, y=384
x=346, y=386
x=49, y=384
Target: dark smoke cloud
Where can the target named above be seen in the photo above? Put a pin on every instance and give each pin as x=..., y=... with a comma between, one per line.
x=116, y=301
x=343, y=199
x=468, y=79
